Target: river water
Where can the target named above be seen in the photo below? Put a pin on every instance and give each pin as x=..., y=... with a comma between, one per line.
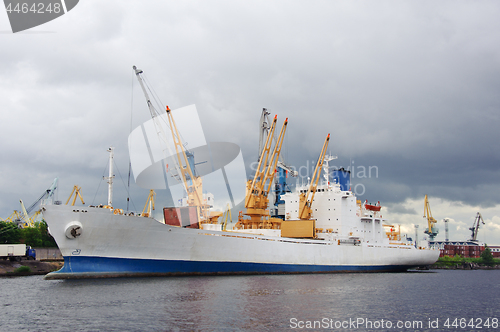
x=412, y=301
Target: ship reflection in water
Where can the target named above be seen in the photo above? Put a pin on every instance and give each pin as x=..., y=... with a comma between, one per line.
x=257, y=303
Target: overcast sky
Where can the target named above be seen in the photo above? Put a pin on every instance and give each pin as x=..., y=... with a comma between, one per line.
x=408, y=87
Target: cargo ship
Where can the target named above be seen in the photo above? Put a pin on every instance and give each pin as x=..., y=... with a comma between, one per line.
x=320, y=227
x=344, y=236
x=324, y=229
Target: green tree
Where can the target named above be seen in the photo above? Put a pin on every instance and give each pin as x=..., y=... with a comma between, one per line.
x=9, y=233
x=47, y=239
x=31, y=236
x=37, y=236
x=487, y=256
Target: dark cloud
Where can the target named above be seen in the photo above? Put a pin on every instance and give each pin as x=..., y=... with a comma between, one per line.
x=408, y=88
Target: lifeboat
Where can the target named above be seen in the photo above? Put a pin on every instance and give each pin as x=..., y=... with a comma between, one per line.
x=372, y=207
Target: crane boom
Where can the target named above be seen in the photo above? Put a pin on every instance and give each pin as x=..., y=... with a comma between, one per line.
x=431, y=230
x=150, y=204
x=76, y=192
x=252, y=187
x=263, y=128
x=194, y=190
x=160, y=132
x=306, y=199
x=475, y=226
x=256, y=200
x=24, y=214
x=271, y=168
x=47, y=194
x=24, y=217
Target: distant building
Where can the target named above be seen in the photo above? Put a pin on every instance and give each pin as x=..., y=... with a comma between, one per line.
x=463, y=248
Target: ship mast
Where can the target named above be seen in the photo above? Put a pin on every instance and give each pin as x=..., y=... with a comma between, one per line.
x=110, y=177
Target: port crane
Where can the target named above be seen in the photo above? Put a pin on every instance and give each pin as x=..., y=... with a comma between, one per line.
x=431, y=229
x=25, y=218
x=475, y=227
x=257, y=190
x=184, y=166
x=150, y=204
x=306, y=199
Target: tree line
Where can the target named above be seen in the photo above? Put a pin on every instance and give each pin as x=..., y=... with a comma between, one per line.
x=36, y=237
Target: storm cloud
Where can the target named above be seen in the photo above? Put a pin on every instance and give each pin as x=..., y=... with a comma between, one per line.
x=410, y=88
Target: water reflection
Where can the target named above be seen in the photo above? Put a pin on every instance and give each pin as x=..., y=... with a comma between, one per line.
x=257, y=303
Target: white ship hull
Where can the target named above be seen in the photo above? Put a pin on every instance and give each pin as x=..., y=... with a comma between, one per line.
x=107, y=245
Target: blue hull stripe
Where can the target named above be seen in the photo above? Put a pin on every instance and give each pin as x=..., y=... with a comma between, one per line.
x=88, y=267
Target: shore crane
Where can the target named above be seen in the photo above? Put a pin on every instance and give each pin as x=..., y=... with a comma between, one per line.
x=193, y=184
x=475, y=226
x=257, y=190
x=150, y=204
x=431, y=229
x=25, y=218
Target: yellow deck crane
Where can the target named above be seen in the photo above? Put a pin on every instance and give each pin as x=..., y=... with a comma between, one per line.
x=193, y=187
x=306, y=199
x=431, y=229
x=76, y=192
x=226, y=217
x=305, y=226
x=256, y=200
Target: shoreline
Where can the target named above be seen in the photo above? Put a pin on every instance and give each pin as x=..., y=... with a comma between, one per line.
x=8, y=268
x=463, y=266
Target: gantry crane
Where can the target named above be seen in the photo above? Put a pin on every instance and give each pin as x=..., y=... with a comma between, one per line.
x=431, y=229
x=475, y=226
x=306, y=199
x=257, y=190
